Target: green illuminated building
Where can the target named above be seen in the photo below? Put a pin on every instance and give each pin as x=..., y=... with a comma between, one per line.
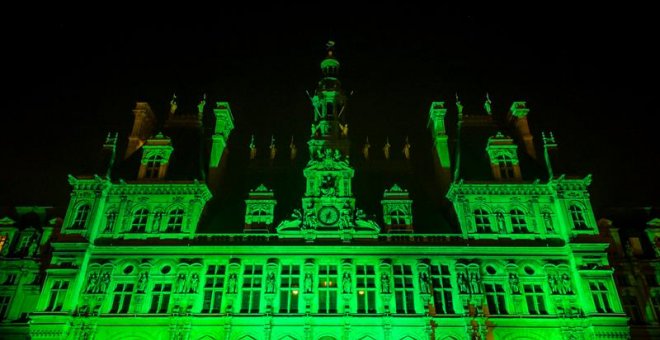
x=190, y=231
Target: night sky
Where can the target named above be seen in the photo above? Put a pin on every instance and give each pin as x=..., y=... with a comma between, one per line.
x=587, y=74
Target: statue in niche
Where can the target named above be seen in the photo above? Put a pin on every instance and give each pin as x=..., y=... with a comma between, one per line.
x=501, y=226
x=231, y=285
x=270, y=283
x=386, y=149
x=474, y=284
x=181, y=283
x=142, y=282
x=424, y=283
x=462, y=285
x=406, y=149
x=346, y=283
x=194, y=283
x=514, y=283
x=384, y=283
x=104, y=282
x=308, y=282
x=565, y=286
x=328, y=185
x=173, y=105
x=552, y=282
x=547, y=221
x=200, y=106
x=92, y=283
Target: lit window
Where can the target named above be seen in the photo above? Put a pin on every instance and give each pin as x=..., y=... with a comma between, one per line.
x=366, y=289
x=153, y=166
x=122, y=298
x=289, y=288
x=600, y=295
x=482, y=221
x=328, y=288
x=139, y=224
x=579, y=222
x=80, y=219
x=518, y=223
x=403, y=289
x=252, y=277
x=213, y=289
x=175, y=221
x=57, y=295
x=505, y=165
x=442, y=292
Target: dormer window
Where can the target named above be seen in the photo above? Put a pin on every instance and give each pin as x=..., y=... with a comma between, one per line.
x=139, y=224
x=155, y=157
x=577, y=215
x=503, y=155
x=398, y=217
x=80, y=220
x=397, y=210
x=175, y=221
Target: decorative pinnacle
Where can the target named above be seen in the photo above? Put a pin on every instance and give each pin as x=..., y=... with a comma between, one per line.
x=487, y=105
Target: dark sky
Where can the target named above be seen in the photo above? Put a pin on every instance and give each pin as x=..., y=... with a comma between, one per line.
x=588, y=74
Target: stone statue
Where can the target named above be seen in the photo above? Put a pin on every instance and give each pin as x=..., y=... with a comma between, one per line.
x=173, y=105
x=552, y=282
x=424, y=284
x=459, y=107
x=547, y=220
x=462, y=285
x=328, y=185
x=181, y=283
x=406, y=149
x=365, y=149
x=474, y=284
x=253, y=148
x=232, y=283
x=514, y=283
x=200, y=106
x=142, y=282
x=386, y=149
x=487, y=105
x=384, y=283
x=293, y=149
x=92, y=283
x=501, y=226
x=316, y=103
x=308, y=282
x=270, y=283
x=344, y=129
x=346, y=283
x=273, y=148
x=194, y=283
x=565, y=287
x=104, y=282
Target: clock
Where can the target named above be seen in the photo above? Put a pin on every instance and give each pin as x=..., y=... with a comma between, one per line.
x=328, y=215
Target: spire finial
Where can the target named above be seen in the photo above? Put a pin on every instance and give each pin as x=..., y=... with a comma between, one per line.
x=253, y=148
x=487, y=105
x=200, y=106
x=173, y=105
x=458, y=105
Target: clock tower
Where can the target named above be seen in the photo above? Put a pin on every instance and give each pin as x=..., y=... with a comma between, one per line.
x=328, y=207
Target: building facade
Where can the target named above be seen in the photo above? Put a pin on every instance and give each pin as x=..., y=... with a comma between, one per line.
x=190, y=231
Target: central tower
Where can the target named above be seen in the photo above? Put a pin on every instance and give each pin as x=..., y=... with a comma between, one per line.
x=328, y=207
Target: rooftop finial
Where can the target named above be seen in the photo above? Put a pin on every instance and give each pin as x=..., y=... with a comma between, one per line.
x=173, y=105
x=459, y=106
x=200, y=106
x=487, y=105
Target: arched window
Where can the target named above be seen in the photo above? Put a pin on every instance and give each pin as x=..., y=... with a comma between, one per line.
x=518, y=223
x=153, y=166
x=80, y=220
x=175, y=221
x=110, y=221
x=579, y=223
x=506, y=166
x=482, y=221
x=139, y=224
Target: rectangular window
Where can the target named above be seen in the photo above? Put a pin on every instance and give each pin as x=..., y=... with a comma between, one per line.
x=631, y=307
x=328, y=289
x=160, y=298
x=366, y=289
x=213, y=289
x=252, y=277
x=5, y=301
x=600, y=295
x=495, y=298
x=534, y=298
x=442, y=292
x=11, y=279
x=121, y=301
x=57, y=295
x=403, y=289
x=289, y=288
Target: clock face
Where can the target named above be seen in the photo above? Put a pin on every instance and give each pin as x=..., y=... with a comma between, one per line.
x=328, y=215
